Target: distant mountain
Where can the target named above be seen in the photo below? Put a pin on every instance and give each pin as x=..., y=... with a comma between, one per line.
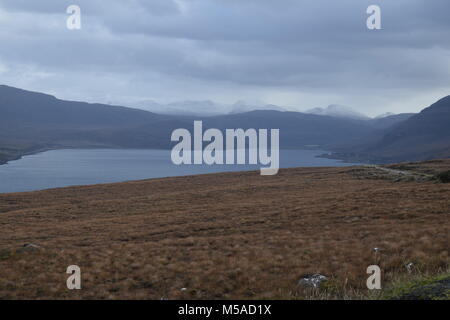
x=243, y=106
x=385, y=115
x=389, y=120
x=21, y=109
x=31, y=121
x=189, y=108
x=421, y=136
x=203, y=108
x=338, y=111
x=297, y=130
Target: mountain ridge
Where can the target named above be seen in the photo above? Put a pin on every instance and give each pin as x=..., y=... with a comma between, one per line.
x=33, y=121
x=422, y=136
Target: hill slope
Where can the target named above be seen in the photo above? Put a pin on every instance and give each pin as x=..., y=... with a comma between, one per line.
x=389, y=121
x=423, y=136
x=31, y=121
x=229, y=236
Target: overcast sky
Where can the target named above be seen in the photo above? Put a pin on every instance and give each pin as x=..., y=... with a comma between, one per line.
x=296, y=53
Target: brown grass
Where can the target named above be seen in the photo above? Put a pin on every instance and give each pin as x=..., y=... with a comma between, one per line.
x=232, y=235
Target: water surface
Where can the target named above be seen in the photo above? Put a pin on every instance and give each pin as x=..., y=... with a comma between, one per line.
x=60, y=168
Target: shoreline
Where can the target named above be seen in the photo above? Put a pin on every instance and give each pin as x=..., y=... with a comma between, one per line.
x=21, y=155
x=140, y=160
x=362, y=158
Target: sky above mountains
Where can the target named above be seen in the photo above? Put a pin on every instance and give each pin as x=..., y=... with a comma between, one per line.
x=297, y=53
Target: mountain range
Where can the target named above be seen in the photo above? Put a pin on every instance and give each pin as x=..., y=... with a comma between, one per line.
x=31, y=122
x=206, y=108
x=339, y=111
x=203, y=108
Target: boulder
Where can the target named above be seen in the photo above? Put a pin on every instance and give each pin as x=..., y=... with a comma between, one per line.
x=312, y=280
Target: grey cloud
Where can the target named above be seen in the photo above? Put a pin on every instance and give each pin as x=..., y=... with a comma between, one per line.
x=309, y=48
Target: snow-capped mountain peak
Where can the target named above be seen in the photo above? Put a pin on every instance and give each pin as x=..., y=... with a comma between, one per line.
x=338, y=111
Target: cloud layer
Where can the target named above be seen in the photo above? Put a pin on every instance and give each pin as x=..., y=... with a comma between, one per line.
x=300, y=54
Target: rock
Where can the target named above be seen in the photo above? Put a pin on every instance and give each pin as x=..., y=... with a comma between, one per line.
x=29, y=247
x=409, y=267
x=312, y=280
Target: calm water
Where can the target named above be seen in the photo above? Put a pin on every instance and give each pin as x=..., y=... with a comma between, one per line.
x=60, y=168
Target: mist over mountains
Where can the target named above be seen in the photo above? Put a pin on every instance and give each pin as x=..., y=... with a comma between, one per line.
x=204, y=108
x=31, y=122
x=338, y=111
x=211, y=108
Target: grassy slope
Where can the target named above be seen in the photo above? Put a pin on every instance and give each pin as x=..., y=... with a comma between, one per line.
x=233, y=235
x=420, y=287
